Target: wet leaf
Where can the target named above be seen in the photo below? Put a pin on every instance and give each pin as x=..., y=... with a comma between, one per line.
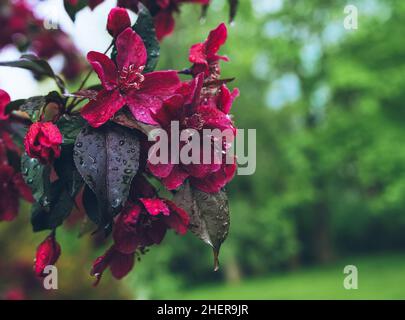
x=70, y=127
x=91, y=206
x=107, y=158
x=34, y=107
x=60, y=206
x=66, y=170
x=37, y=66
x=145, y=27
x=14, y=105
x=209, y=216
x=37, y=177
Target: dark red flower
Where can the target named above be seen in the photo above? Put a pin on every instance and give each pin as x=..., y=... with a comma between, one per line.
x=50, y=43
x=15, y=294
x=163, y=18
x=162, y=12
x=197, y=115
x=124, y=83
x=4, y=101
x=17, y=20
x=43, y=141
x=12, y=187
x=118, y=21
x=145, y=223
x=204, y=55
x=48, y=253
x=120, y=264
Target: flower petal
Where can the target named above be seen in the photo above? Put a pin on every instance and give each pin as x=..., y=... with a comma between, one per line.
x=99, y=111
x=48, y=253
x=155, y=206
x=130, y=49
x=226, y=98
x=178, y=219
x=197, y=54
x=160, y=170
x=160, y=83
x=215, y=40
x=215, y=181
x=105, y=69
x=164, y=23
x=175, y=179
x=118, y=20
x=214, y=118
x=4, y=101
x=121, y=264
x=146, y=102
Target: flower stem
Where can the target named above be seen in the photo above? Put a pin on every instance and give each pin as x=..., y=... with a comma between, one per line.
x=73, y=103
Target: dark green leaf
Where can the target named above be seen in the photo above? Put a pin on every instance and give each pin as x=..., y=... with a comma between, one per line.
x=32, y=63
x=233, y=7
x=108, y=159
x=72, y=10
x=204, y=10
x=209, y=216
x=66, y=170
x=70, y=127
x=14, y=105
x=145, y=27
x=34, y=106
x=37, y=176
x=60, y=206
x=91, y=206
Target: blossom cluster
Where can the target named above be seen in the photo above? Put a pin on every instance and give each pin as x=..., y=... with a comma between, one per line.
x=162, y=11
x=89, y=149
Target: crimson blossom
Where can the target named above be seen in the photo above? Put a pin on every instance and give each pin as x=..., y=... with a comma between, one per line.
x=204, y=55
x=48, y=253
x=210, y=177
x=12, y=185
x=125, y=84
x=43, y=141
x=203, y=103
x=143, y=222
x=162, y=11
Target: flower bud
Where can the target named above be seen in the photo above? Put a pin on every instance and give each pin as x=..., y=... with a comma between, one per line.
x=48, y=253
x=43, y=142
x=118, y=21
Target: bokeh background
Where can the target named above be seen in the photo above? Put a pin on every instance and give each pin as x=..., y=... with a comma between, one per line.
x=329, y=188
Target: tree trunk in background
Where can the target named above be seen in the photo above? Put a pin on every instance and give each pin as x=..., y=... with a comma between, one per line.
x=322, y=242
x=232, y=271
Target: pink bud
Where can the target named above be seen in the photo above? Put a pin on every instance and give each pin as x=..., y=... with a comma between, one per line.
x=118, y=21
x=48, y=253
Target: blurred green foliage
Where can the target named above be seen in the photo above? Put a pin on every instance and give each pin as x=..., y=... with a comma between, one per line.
x=327, y=104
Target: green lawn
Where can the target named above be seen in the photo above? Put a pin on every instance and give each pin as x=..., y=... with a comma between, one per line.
x=379, y=277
